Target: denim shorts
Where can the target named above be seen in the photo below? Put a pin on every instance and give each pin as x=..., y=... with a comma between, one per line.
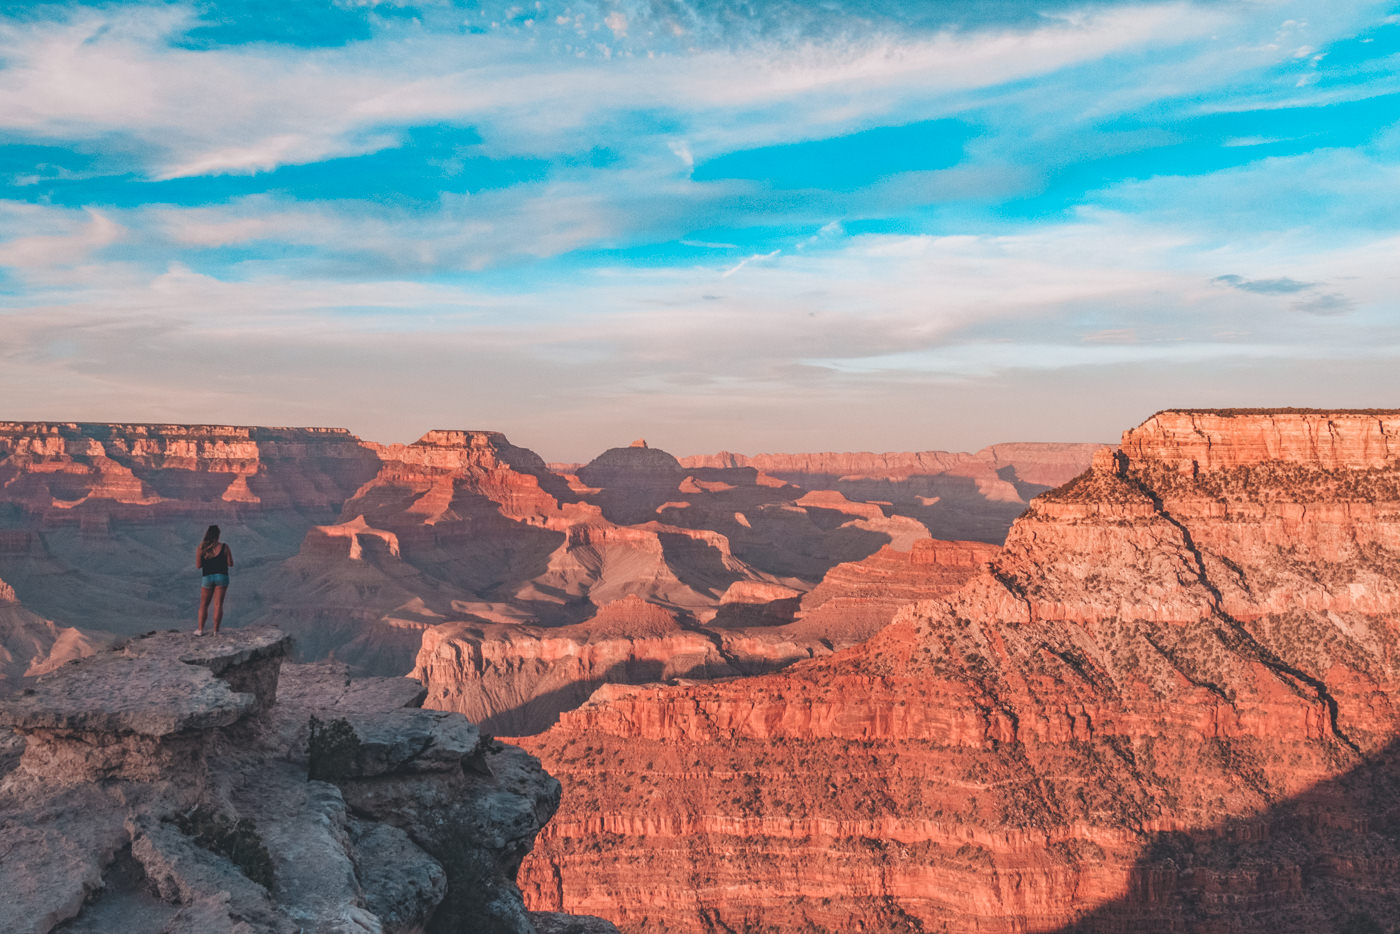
x=215, y=580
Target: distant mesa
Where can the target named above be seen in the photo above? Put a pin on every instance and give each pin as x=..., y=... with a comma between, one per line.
x=633, y=482
x=635, y=462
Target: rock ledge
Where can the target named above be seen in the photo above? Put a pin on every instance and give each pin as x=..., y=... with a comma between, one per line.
x=163, y=789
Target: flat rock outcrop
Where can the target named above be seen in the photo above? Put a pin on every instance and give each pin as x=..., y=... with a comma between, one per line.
x=187, y=784
x=1166, y=705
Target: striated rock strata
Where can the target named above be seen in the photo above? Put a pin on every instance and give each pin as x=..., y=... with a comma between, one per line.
x=516, y=680
x=857, y=599
x=181, y=784
x=1166, y=705
x=70, y=472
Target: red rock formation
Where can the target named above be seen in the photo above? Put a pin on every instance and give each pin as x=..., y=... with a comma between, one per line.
x=857, y=599
x=370, y=546
x=1189, y=633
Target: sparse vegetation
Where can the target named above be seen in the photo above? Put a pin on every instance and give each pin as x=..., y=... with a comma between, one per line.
x=332, y=751
x=235, y=840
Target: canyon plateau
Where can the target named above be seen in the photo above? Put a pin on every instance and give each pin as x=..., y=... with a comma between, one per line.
x=785, y=693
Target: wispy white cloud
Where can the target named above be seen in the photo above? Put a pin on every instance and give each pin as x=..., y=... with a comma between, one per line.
x=252, y=108
x=839, y=321
x=72, y=237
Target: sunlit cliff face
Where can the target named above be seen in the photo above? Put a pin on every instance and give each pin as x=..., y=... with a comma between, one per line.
x=1158, y=706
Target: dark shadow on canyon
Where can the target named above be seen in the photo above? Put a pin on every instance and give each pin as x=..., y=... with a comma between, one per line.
x=542, y=711
x=1327, y=860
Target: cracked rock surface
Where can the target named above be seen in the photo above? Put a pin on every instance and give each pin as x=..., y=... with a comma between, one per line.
x=163, y=787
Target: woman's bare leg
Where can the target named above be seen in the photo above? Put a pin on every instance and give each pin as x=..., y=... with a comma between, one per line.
x=219, y=606
x=204, y=594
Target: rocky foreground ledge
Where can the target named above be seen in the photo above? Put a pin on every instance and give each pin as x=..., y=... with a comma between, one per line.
x=186, y=784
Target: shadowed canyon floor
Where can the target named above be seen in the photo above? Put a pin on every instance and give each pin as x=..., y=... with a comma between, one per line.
x=1166, y=705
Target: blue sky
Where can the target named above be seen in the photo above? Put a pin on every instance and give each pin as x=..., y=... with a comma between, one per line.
x=753, y=226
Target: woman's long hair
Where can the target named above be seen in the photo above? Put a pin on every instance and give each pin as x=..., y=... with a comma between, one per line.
x=211, y=538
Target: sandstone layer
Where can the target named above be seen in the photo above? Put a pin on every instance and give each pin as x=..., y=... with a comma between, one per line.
x=178, y=784
x=516, y=680
x=857, y=599
x=1165, y=706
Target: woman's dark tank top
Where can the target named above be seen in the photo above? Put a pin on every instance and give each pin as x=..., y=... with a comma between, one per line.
x=216, y=563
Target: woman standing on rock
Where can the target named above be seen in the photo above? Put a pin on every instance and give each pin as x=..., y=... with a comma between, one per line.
x=213, y=559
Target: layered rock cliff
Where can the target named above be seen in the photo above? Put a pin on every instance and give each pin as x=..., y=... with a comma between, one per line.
x=181, y=784
x=516, y=680
x=1149, y=712
x=69, y=472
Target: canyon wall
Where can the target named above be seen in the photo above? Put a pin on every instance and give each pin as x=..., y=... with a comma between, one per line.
x=1157, y=708
x=68, y=472
x=857, y=599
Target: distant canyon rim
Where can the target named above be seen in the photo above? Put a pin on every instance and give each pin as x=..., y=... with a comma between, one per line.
x=1040, y=687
